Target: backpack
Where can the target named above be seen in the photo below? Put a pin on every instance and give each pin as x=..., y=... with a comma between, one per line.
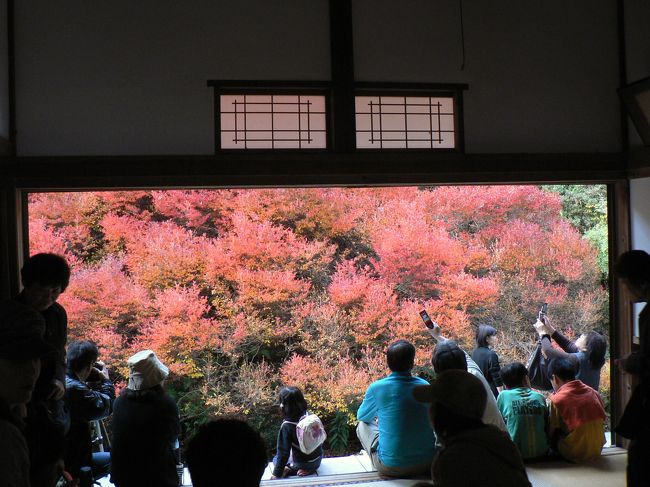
x=538, y=370
x=310, y=432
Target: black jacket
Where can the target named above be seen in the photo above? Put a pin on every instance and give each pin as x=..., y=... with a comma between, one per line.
x=86, y=402
x=145, y=427
x=488, y=361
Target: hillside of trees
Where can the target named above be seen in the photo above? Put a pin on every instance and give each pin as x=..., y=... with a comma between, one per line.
x=241, y=291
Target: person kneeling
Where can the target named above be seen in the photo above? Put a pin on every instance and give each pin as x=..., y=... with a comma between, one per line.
x=576, y=414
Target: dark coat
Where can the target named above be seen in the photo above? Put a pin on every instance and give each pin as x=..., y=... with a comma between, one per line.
x=145, y=427
x=86, y=402
x=488, y=361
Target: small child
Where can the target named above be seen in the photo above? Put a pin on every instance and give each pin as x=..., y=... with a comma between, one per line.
x=524, y=412
x=289, y=459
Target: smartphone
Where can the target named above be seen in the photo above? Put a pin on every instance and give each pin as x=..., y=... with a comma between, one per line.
x=427, y=321
x=542, y=311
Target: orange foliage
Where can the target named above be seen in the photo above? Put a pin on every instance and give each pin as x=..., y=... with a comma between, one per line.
x=308, y=286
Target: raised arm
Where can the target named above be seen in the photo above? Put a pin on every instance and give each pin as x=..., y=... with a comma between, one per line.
x=564, y=343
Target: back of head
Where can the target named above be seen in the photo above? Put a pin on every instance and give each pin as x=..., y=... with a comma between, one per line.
x=46, y=269
x=482, y=334
x=226, y=446
x=81, y=354
x=634, y=266
x=448, y=356
x=562, y=368
x=400, y=356
x=292, y=403
x=514, y=375
x=146, y=371
x=596, y=349
x=457, y=401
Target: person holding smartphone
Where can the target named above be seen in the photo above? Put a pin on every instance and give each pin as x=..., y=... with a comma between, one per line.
x=587, y=353
x=448, y=355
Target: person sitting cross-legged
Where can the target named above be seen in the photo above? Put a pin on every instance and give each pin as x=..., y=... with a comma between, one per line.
x=89, y=396
x=524, y=411
x=576, y=414
x=226, y=452
x=393, y=427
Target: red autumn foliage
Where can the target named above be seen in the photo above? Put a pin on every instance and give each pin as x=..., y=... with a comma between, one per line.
x=239, y=291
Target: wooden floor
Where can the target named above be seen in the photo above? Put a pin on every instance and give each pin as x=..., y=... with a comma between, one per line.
x=356, y=471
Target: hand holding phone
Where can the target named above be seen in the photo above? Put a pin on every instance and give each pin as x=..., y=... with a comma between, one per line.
x=427, y=320
x=542, y=312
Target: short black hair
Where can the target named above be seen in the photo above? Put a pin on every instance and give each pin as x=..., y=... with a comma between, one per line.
x=634, y=265
x=482, y=334
x=447, y=423
x=448, y=356
x=46, y=269
x=81, y=354
x=293, y=403
x=562, y=368
x=514, y=375
x=226, y=446
x=400, y=356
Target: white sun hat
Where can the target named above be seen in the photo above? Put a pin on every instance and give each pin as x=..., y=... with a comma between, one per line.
x=146, y=370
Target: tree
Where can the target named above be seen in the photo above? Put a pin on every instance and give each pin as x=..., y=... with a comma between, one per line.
x=240, y=291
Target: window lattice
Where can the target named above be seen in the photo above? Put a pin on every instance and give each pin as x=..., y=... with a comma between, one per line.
x=405, y=122
x=273, y=122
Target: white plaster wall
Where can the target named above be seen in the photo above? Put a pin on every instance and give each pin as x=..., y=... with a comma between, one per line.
x=127, y=77
x=640, y=213
x=542, y=75
x=640, y=222
x=4, y=93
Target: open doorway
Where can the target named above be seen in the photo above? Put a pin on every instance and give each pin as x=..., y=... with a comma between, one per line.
x=242, y=290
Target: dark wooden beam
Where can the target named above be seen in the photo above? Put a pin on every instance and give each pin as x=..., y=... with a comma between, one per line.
x=638, y=162
x=311, y=169
x=342, y=65
x=11, y=76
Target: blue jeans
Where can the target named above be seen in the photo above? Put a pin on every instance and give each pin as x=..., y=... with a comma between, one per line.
x=101, y=464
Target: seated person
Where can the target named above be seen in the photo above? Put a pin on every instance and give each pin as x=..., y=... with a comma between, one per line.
x=448, y=355
x=576, y=414
x=524, y=411
x=89, y=395
x=587, y=353
x=145, y=427
x=472, y=453
x=21, y=349
x=393, y=427
x=226, y=452
x=290, y=459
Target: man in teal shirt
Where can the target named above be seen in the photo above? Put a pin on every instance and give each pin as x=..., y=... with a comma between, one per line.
x=524, y=412
x=393, y=427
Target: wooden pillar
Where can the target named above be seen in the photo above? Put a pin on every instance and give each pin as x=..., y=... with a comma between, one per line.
x=621, y=307
x=10, y=239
